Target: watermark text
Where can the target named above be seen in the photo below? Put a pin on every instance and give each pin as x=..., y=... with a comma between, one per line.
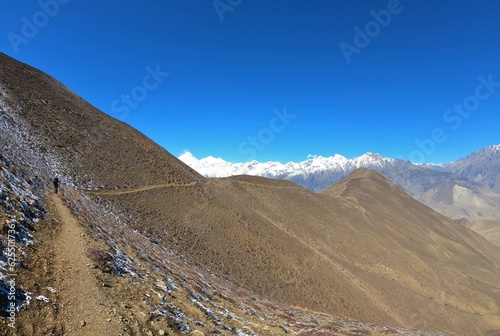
x=364, y=36
x=11, y=277
x=253, y=144
x=129, y=101
x=30, y=27
x=223, y=6
x=455, y=116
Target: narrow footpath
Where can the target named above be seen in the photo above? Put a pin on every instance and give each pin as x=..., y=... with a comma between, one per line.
x=82, y=305
x=136, y=190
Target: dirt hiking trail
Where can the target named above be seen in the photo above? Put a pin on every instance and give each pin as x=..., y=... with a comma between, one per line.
x=82, y=305
x=136, y=190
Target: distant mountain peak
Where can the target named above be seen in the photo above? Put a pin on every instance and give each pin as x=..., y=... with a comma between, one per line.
x=364, y=179
x=316, y=172
x=493, y=149
x=479, y=172
x=372, y=155
x=187, y=158
x=482, y=166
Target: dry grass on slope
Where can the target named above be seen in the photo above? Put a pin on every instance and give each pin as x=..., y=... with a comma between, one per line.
x=447, y=264
x=392, y=262
x=208, y=226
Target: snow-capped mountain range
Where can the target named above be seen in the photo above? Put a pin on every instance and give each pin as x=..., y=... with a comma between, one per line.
x=217, y=167
x=479, y=173
x=478, y=166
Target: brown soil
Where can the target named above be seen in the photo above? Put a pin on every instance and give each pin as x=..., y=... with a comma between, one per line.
x=59, y=270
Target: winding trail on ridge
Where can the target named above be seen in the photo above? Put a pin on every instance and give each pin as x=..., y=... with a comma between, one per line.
x=83, y=307
x=136, y=190
x=123, y=191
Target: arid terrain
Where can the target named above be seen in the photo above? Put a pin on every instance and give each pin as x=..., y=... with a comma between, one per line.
x=138, y=243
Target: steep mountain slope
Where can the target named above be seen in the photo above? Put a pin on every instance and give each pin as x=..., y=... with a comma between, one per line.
x=483, y=168
x=104, y=151
x=363, y=249
x=146, y=290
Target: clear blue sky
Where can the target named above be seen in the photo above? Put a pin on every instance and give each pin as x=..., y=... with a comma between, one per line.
x=232, y=64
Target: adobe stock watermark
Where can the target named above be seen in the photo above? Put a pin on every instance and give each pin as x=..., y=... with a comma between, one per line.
x=455, y=116
x=363, y=37
x=30, y=27
x=129, y=101
x=254, y=144
x=10, y=279
x=223, y=6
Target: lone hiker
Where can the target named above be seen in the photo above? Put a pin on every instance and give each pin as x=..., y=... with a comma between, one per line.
x=56, y=183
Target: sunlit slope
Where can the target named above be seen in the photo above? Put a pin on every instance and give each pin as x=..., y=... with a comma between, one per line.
x=363, y=249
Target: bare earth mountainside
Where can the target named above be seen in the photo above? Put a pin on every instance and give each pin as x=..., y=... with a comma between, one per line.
x=138, y=243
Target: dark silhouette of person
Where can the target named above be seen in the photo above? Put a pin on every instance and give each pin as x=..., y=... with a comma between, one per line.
x=56, y=183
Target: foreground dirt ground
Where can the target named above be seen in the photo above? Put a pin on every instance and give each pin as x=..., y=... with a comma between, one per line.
x=73, y=303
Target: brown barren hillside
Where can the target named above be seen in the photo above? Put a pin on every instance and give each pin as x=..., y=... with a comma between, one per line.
x=372, y=253
x=100, y=150
x=362, y=249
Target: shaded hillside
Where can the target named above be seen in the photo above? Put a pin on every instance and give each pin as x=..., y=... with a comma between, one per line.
x=465, y=200
x=362, y=250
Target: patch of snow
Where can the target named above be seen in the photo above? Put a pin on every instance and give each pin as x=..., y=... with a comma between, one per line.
x=43, y=298
x=27, y=298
